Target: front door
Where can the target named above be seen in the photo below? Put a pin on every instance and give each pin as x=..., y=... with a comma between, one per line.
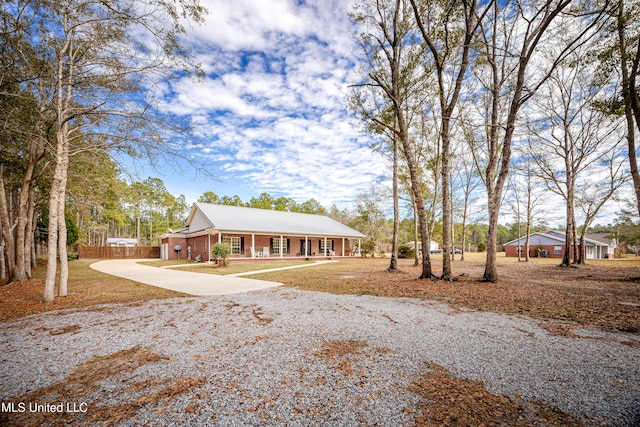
x=302, y=251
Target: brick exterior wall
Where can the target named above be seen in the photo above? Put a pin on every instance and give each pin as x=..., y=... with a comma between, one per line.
x=512, y=250
x=199, y=246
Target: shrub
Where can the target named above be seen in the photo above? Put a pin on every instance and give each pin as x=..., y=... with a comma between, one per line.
x=221, y=252
x=368, y=246
x=406, y=251
x=482, y=247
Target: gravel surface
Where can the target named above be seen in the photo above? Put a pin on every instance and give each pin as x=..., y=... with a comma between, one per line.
x=258, y=358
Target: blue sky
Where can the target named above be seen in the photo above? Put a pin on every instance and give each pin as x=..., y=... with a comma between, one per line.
x=271, y=114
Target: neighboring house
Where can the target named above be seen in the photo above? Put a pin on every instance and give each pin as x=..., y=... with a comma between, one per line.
x=551, y=244
x=258, y=233
x=433, y=246
x=117, y=241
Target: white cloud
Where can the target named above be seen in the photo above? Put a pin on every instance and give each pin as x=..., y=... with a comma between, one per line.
x=271, y=113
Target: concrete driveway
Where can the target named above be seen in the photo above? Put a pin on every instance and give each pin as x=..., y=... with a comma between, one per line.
x=181, y=281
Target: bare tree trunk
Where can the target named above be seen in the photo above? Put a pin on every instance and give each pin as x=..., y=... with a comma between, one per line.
x=527, y=257
x=7, y=229
x=568, y=240
x=3, y=265
x=416, y=261
x=393, y=265
x=52, y=241
x=627, y=97
x=491, y=268
x=447, y=273
x=62, y=229
x=28, y=238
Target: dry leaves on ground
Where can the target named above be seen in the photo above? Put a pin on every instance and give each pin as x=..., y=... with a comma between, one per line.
x=451, y=401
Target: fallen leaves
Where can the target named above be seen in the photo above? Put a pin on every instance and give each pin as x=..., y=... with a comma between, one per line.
x=83, y=383
x=451, y=401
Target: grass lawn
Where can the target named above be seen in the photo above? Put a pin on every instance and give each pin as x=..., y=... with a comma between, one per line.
x=233, y=267
x=602, y=293
x=86, y=288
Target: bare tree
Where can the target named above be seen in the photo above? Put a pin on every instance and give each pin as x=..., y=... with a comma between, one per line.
x=571, y=139
x=529, y=198
x=392, y=67
x=593, y=194
x=514, y=35
x=448, y=31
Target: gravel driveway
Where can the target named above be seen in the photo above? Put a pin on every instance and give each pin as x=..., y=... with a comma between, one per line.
x=256, y=359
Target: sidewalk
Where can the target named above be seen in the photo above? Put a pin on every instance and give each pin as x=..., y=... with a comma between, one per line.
x=187, y=282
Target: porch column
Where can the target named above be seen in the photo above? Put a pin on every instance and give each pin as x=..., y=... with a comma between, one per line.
x=280, y=246
x=209, y=241
x=306, y=246
x=324, y=252
x=343, y=246
x=219, y=236
x=253, y=245
x=359, y=247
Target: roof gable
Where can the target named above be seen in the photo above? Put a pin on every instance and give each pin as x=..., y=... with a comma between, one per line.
x=251, y=220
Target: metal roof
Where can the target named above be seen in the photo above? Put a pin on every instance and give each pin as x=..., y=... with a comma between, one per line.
x=593, y=239
x=264, y=221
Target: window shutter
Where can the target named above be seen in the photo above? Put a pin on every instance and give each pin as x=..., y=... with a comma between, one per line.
x=288, y=246
x=271, y=245
x=242, y=245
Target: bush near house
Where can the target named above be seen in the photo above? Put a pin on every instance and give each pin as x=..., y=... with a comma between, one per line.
x=221, y=252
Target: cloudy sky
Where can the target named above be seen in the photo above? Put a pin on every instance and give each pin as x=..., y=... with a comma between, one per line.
x=271, y=115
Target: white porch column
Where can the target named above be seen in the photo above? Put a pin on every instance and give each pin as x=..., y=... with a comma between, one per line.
x=253, y=245
x=209, y=241
x=306, y=246
x=359, y=247
x=343, y=246
x=219, y=237
x=324, y=252
x=280, y=246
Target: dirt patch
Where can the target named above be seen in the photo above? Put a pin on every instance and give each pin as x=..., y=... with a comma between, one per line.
x=451, y=401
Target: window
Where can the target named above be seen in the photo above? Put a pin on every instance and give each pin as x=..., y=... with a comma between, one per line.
x=235, y=242
x=329, y=246
x=557, y=250
x=275, y=246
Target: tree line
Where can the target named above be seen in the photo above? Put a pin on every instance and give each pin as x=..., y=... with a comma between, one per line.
x=519, y=98
x=507, y=96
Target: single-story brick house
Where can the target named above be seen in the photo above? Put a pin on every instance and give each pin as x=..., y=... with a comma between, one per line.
x=259, y=233
x=118, y=241
x=551, y=244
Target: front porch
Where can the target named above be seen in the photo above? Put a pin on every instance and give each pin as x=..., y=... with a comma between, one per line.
x=259, y=247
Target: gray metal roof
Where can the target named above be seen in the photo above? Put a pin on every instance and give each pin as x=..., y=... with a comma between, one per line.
x=264, y=221
x=558, y=236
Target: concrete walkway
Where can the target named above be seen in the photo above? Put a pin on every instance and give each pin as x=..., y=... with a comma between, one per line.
x=181, y=281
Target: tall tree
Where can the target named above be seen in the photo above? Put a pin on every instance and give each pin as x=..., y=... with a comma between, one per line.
x=25, y=132
x=515, y=35
x=448, y=30
x=391, y=59
x=571, y=139
x=98, y=64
